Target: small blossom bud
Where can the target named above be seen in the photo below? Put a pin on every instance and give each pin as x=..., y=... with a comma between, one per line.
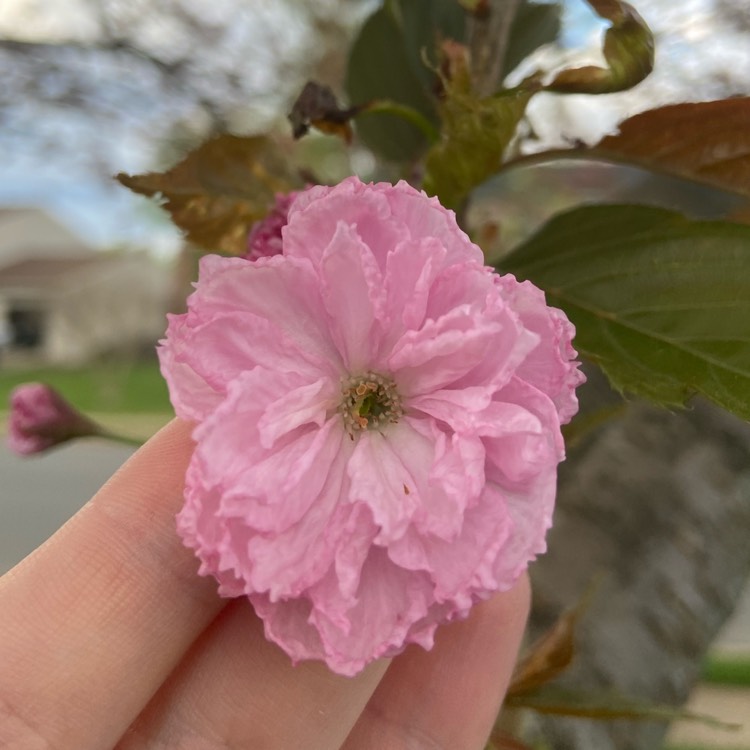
x=40, y=419
x=265, y=236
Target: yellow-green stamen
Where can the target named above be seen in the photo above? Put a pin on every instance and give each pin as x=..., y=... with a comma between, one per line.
x=369, y=402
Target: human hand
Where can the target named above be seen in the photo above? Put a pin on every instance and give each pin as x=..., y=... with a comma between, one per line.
x=109, y=639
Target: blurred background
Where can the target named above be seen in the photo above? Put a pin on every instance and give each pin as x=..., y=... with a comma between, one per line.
x=89, y=270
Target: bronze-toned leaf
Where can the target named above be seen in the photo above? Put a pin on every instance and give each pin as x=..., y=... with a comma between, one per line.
x=218, y=191
x=628, y=50
x=317, y=107
x=552, y=652
x=704, y=141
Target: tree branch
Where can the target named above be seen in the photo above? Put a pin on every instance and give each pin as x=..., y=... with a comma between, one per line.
x=488, y=43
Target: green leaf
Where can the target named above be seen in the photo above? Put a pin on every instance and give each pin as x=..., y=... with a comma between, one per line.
x=628, y=50
x=706, y=141
x=219, y=190
x=381, y=66
x=476, y=131
x=660, y=302
x=534, y=24
x=605, y=707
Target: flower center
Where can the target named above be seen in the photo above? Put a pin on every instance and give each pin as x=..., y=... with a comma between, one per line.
x=369, y=402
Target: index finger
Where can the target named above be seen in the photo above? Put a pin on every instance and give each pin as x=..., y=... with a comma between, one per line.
x=448, y=697
x=94, y=620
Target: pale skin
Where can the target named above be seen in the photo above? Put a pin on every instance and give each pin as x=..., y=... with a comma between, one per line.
x=109, y=639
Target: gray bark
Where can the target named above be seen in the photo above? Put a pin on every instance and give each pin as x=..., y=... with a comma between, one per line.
x=488, y=42
x=659, y=504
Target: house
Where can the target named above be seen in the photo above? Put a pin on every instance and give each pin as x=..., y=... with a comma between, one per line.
x=64, y=303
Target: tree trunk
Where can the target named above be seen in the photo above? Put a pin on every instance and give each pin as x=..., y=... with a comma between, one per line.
x=658, y=504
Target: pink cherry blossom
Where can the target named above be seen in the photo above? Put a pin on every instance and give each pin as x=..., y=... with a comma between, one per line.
x=378, y=423
x=40, y=419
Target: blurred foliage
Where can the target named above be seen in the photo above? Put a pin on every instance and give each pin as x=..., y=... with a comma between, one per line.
x=605, y=706
x=532, y=686
x=550, y=655
x=218, y=191
x=384, y=63
x=534, y=25
x=659, y=302
x=396, y=56
x=475, y=133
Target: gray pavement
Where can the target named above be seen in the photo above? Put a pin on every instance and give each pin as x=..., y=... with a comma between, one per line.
x=38, y=494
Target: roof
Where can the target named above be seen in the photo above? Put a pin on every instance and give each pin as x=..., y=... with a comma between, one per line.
x=48, y=273
x=26, y=232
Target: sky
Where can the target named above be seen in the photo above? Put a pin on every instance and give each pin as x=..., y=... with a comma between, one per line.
x=697, y=58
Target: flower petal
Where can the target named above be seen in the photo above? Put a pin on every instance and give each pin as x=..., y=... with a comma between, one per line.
x=389, y=600
x=283, y=290
x=465, y=565
x=551, y=365
x=308, y=404
x=380, y=480
x=353, y=297
x=443, y=350
x=288, y=563
x=287, y=623
x=411, y=268
x=315, y=215
x=191, y=396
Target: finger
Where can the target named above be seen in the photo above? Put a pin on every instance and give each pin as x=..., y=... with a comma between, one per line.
x=448, y=697
x=94, y=620
x=236, y=689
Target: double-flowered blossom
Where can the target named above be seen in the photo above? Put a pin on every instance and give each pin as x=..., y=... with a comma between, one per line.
x=378, y=423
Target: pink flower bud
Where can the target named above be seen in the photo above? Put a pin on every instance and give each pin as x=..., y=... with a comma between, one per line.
x=40, y=419
x=265, y=236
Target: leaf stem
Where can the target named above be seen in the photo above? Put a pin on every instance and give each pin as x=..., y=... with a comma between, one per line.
x=116, y=437
x=416, y=118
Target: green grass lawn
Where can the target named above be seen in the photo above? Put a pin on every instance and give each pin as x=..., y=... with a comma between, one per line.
x=725, y=671
x=112, y=387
